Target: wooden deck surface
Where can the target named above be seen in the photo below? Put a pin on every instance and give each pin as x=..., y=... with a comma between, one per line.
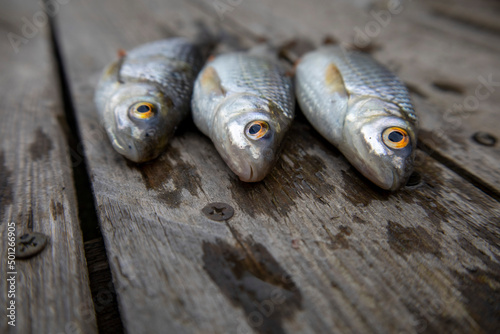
x=314, y=248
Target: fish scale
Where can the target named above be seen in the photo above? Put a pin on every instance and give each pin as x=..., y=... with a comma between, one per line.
x=363, y=76
x=172, y=64
x=361, y=108
x=241, y=72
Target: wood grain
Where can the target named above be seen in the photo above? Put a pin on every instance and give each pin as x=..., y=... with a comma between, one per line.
x=36, y=185
x=482, y=14
x=314, y=248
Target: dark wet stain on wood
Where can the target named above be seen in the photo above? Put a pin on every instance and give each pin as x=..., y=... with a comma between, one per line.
x=296, y=48
x=470, y=248
x=252, y=279
x=436, y=211
x=329, y=40
x=297, y=173
x=41, y=146
x=416, y=90
x=482, y=293
x=449, y=87
x=481, y=289
x=6, y=191
x=430, y=173
x=358, y=220
x=366, y=48
x=339, y=240
x=170, y=167
x=406, y=240
x=464, y=17
x=360, y=191
x=56, y=209
x=431, y=181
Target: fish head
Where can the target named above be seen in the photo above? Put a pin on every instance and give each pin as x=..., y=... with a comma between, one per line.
x=381, y=145
x=137, y=121
x=247, y=134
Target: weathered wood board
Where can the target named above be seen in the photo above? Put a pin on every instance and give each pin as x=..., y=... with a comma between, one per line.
x=52, y=293
x=312, y=248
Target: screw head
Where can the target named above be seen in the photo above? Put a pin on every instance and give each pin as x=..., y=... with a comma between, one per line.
x=484, y=138
x=218, y=211
x=30, y=244
x=414, y=179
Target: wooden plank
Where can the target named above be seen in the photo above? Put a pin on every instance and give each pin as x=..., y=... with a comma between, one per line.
x=482, y=14
x=444, y=62
x=52, y=292
x=312, y=248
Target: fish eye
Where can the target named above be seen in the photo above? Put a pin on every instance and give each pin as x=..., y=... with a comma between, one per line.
x=257, y=129
x=395, y=137
x=142, y=110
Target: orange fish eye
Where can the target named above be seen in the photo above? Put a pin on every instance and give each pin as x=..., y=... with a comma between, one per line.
x=257, y=129
x=395, y=137
x=142, y=110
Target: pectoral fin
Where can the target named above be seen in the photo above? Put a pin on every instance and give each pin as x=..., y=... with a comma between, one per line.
x=334, y=80
x=210, y=82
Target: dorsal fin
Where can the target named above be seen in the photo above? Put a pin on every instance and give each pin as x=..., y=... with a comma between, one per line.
x=334, y=80
x=121, y=53
x=210, y=82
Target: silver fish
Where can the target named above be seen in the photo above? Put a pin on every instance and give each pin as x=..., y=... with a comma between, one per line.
x=245, y=102
x=361, y=108
x=143, y=96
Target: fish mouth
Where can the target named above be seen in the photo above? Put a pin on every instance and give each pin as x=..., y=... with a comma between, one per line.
x=129, y=150
x=247, y=175
x=245, y=170
x=117, y=144
x=395, y=184
x=387, y=180
x=250, y=175
x=392, y=183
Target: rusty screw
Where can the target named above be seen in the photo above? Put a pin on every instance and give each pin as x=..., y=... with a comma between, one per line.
x=218, y=211
x=30, y=244
x=484, y=138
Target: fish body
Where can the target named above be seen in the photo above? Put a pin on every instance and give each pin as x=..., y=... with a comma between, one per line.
x=245, y=103
x=361, y=108
x=142, y=97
